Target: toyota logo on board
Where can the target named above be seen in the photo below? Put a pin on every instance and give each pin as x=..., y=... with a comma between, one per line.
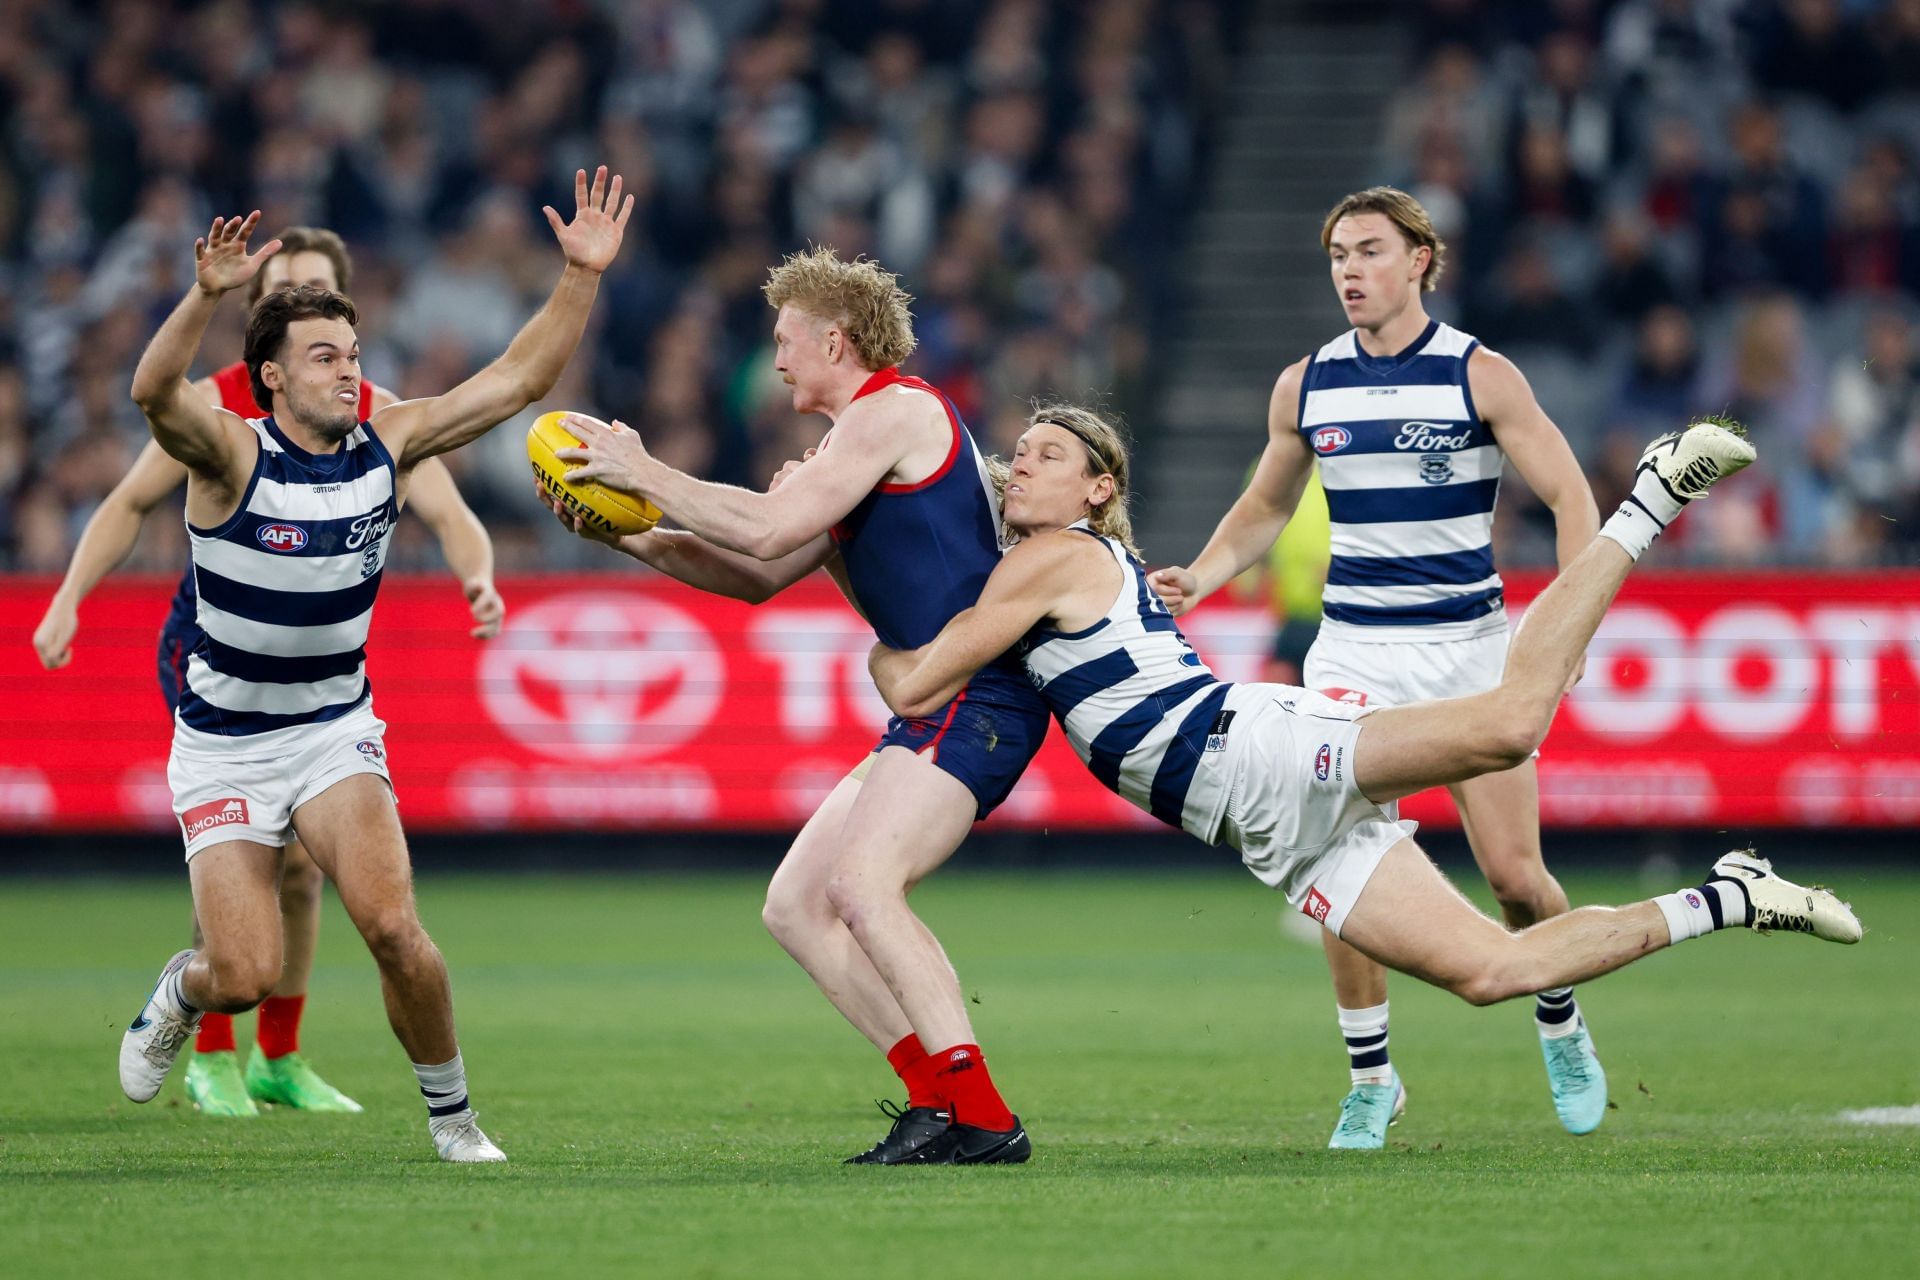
x=603, y=676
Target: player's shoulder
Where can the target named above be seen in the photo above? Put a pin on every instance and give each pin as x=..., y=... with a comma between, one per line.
x=1495, y=379
x=1040, y=553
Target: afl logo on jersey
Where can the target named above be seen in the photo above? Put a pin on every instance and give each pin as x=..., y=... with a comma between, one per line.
x=1331, y=439
x=282, y=537
x=1322, y=760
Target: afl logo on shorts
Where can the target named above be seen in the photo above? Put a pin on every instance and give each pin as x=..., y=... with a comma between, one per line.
x=369, y=748
x=1322, y=761
x=281, y=537
x=1331, y=439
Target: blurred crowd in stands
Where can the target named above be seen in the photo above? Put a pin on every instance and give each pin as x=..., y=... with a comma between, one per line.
x=1022, y=164
x=1657, y=207
x=1664, y=207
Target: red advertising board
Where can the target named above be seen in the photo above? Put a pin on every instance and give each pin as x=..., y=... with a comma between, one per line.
x=627, y=701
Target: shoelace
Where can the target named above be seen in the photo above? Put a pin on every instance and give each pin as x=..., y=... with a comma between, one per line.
x=1697, y=477
x=168, y=1035
x=1568, y=1061
x=1354, y=1114
x=465, y=1129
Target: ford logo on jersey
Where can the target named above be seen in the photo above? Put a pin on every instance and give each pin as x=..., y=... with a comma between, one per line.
x=282, y=537
x=1331, y=439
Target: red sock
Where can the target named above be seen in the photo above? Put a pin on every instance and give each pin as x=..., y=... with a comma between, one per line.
x=216, y=1034
x=279, y=1033
x=910, y=1062
x=961, y=1075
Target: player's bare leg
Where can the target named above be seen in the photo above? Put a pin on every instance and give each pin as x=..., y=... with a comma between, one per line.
x=1403, y=750
x=1501, y=814
x=277, y=1072
x=908, y=819
x=1502, y=820
x=1410, y=918
x=352, y=829
x=235, y=886
x=806, y=925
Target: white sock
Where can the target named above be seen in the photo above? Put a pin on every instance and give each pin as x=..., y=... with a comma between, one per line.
x=1645, y=514
x=171, y=996
x=445, y=1089
x=1694, y=913
x=1556, y=1013
x=1365, y=1031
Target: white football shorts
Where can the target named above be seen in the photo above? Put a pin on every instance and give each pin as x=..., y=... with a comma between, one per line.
x=1393, y=673
x=247, y=788
x=1293, y=809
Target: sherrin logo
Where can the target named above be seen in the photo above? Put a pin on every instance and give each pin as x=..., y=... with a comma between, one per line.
x=281, y=537
x=1331, y=439
x=1322, y=761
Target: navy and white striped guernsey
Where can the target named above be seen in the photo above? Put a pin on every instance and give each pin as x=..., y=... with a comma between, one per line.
x=1136, y=702
x=286, y=587
x=1411, y=474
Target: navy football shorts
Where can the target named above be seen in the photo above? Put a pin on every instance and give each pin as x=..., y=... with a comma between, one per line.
x=985, y=737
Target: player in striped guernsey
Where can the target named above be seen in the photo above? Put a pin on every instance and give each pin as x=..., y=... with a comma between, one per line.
x=1411, y=423
x=276, y=1071
x=289, y=517
x=1295, y=780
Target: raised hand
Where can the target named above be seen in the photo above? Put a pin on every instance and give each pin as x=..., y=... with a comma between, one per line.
x=220, y=258
x=599, y=221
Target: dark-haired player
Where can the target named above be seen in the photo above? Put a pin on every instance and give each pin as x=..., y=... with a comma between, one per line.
x=276, y=1071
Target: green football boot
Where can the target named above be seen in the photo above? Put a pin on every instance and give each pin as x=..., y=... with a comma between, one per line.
x=1365, y=1114
x=1579, y=1084
x=214, y=1085
x=289, y=1082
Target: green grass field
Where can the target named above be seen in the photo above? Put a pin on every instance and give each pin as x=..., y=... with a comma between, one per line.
x=676, y=1100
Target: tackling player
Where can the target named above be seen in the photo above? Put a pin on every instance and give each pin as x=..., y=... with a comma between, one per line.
x=276, y=1071
x=289, y=518
x=1411, y=423
x=899, y=504
x=1295, y=780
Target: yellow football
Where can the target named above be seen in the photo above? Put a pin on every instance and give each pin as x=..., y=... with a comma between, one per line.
x=596, y=505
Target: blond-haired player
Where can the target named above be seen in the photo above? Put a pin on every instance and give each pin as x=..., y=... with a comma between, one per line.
x=276, y=1071
x=1411, y=423
x=290, y=517
x=899, y=503
x=1295, y=781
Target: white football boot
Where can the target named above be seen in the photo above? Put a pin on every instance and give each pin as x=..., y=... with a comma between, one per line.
x=457, y=1139
x=153, y=1040
x=1785, y=906
x=1692, y=461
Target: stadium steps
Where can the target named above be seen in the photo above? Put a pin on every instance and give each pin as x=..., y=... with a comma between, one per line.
x=1301, y=129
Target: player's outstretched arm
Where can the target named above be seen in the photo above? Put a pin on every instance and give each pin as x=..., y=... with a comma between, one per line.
x=686, y=557
x=1256, y=518
x=433, y=496
x=206, y=439
x=1025, y=587
x=107, y=540
x=534, y=360
x=866, y=444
